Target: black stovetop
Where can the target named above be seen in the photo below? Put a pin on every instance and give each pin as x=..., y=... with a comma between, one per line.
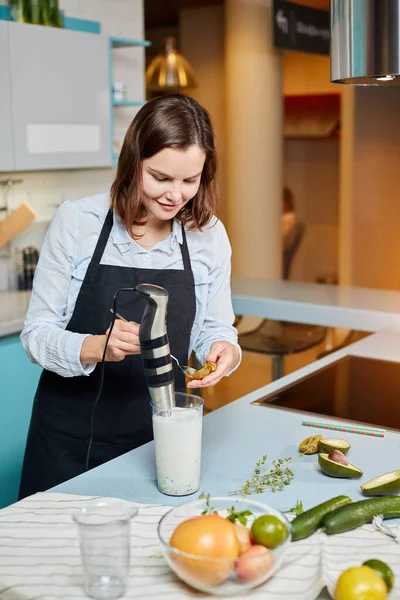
x=352, y=388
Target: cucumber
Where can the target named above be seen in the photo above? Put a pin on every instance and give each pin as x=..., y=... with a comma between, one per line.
x=358, y=513
x=309, y=521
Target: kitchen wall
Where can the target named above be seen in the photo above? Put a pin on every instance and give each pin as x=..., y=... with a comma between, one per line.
x=47, y=189
x=370, y=200
x=201, y=41
x=312, y=173
x=307, y=74
x=311, y=167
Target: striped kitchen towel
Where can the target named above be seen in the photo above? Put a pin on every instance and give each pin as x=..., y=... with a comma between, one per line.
x=40, y=557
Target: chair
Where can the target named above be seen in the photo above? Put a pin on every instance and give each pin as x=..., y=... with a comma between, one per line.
x=278, y=338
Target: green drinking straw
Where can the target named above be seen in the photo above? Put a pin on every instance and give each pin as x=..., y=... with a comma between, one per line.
x=347, y=427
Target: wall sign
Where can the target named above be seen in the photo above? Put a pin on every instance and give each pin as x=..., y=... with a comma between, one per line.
x=301, y=28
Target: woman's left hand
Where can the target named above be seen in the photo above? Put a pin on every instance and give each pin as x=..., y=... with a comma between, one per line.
x=226, y=356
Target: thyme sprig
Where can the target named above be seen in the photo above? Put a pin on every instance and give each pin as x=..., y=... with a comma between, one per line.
x=274, y=479
x=209, y=510
x=297, y=509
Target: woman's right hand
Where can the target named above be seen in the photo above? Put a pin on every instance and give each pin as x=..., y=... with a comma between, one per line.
x=124, y=340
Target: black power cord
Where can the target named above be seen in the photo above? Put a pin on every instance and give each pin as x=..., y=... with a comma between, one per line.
x=92, y=419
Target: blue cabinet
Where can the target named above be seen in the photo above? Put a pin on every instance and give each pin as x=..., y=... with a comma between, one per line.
x=19, y=379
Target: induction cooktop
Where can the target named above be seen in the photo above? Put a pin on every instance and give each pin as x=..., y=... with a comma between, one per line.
x=352, y=388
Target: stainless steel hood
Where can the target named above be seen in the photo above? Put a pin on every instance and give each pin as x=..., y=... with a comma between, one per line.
x=365, y=42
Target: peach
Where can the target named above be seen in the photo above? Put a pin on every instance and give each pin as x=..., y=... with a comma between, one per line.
x=254, y=564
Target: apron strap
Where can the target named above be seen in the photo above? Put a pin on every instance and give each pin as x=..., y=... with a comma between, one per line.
x=100, y=246
x=185, y=251
x=102, y=242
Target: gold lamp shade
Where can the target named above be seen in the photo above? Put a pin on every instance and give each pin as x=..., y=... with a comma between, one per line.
x=169, y=70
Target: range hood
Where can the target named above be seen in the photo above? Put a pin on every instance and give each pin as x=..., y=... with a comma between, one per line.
x=365, y=42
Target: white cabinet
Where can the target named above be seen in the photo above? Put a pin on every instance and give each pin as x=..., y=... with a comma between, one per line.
x=6, y=132
x=60, y=90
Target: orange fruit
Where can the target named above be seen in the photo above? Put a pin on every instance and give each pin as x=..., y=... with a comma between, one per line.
x=207, y=536
x=254, y=564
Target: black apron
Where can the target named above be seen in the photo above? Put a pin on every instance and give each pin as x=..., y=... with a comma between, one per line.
x=60, y=425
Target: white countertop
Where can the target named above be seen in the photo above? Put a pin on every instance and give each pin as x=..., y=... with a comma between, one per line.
x=13, y=307
x=317, y=304
x=362, y=309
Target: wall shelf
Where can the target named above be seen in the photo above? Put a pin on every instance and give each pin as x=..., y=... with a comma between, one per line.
x=126, y=43
x=114, y=44
x=129, y=103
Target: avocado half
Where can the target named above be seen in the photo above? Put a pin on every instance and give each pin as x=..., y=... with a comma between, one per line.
x=334, y=469
x=389, y=483
x=329, y=444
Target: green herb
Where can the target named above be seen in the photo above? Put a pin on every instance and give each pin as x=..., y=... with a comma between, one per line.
x=274, y=479
x=209, y=510
x=240, y=516
x=298, y=509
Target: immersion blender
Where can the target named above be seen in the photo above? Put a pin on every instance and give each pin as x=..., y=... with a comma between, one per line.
x=154, y=345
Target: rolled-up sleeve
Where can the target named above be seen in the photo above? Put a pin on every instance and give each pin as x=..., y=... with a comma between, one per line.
x=44, y=336
x=219, y=316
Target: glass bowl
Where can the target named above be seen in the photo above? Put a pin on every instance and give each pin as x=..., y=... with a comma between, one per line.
x=222, y=576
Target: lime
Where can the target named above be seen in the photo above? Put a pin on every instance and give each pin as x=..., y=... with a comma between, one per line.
x=268, y=531
x=383, y=570
x=360, y=583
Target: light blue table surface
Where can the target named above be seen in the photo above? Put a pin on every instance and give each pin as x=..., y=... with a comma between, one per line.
x=234, y=438
x=239, y=434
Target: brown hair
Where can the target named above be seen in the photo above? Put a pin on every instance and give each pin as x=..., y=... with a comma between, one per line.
x=174, y=121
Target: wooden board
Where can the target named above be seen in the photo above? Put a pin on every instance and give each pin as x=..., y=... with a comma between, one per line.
x=16, y=222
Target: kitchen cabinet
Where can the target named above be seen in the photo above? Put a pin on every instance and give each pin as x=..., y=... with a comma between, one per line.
x=6, y=132
x=19, y=379
x=60, y=89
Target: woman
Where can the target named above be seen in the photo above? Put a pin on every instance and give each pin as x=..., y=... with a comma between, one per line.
x=159, y=229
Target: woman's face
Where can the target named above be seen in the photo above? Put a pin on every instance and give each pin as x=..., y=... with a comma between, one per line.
x=170, y=179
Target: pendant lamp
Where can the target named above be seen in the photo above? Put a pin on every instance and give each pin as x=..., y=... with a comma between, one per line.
x=169, y=70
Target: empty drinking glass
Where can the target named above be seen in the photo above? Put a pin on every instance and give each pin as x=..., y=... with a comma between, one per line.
x=104, y=534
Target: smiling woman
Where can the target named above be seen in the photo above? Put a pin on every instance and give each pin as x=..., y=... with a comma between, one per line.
x=174, y=161
x=167, y=187
x=157, y=226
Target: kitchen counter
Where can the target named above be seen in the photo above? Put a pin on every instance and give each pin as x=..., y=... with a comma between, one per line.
x=362, y=309
x=13, y=307
x=317, y=304
x=239, y=434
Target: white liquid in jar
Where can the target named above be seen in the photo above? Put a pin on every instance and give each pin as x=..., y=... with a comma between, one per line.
x=177, y=439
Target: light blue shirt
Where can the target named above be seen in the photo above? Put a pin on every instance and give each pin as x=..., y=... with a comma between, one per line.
x=64, y=259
